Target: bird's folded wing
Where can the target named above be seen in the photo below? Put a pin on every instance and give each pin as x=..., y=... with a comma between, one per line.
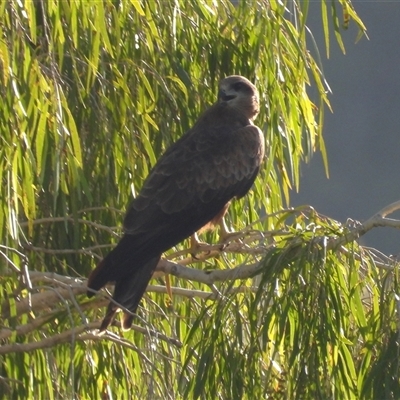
x=196, y=172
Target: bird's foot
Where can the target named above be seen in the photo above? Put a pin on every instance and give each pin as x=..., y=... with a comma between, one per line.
x=226, y=236
x=196, y=247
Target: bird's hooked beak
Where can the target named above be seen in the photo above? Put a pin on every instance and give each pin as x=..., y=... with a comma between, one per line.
x=222, y=96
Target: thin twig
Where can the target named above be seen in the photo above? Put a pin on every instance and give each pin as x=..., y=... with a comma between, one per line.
x=76, y=333
x=377, y=220
x=51, y=220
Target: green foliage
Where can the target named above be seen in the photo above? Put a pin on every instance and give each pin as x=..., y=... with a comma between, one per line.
x=318, y=324
x=92, y=93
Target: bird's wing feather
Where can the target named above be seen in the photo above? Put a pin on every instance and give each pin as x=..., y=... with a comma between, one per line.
x=213, y=162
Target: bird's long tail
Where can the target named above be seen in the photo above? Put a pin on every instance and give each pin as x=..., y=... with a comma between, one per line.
x=116, y=265
x=128, y=292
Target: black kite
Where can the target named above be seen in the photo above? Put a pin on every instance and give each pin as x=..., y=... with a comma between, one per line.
x=191, y=185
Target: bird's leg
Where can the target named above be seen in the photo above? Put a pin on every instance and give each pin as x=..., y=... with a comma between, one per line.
x=194, y=241
x=224, y=231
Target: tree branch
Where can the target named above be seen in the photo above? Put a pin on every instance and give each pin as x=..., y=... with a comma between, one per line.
x=45, y=289
x=76, y=334
x=377, y=220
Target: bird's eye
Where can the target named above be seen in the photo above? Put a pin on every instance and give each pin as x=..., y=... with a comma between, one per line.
x=237, y=86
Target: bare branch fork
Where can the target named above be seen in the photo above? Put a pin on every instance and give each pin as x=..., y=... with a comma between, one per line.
x=378, y=220
x=255, y=244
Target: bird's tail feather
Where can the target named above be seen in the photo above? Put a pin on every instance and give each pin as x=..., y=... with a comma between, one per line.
x=95, y=280
x=128, y=293
x=115, y=265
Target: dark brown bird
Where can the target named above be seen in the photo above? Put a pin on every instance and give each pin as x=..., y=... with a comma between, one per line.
x=191, y=186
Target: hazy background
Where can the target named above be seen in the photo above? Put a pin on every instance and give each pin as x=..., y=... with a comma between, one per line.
x=362, y=136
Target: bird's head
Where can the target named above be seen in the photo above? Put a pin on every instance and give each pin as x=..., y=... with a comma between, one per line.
x=240, y=93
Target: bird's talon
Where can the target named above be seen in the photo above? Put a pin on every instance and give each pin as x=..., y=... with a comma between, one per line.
x=223, y=246
x=196, y=245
